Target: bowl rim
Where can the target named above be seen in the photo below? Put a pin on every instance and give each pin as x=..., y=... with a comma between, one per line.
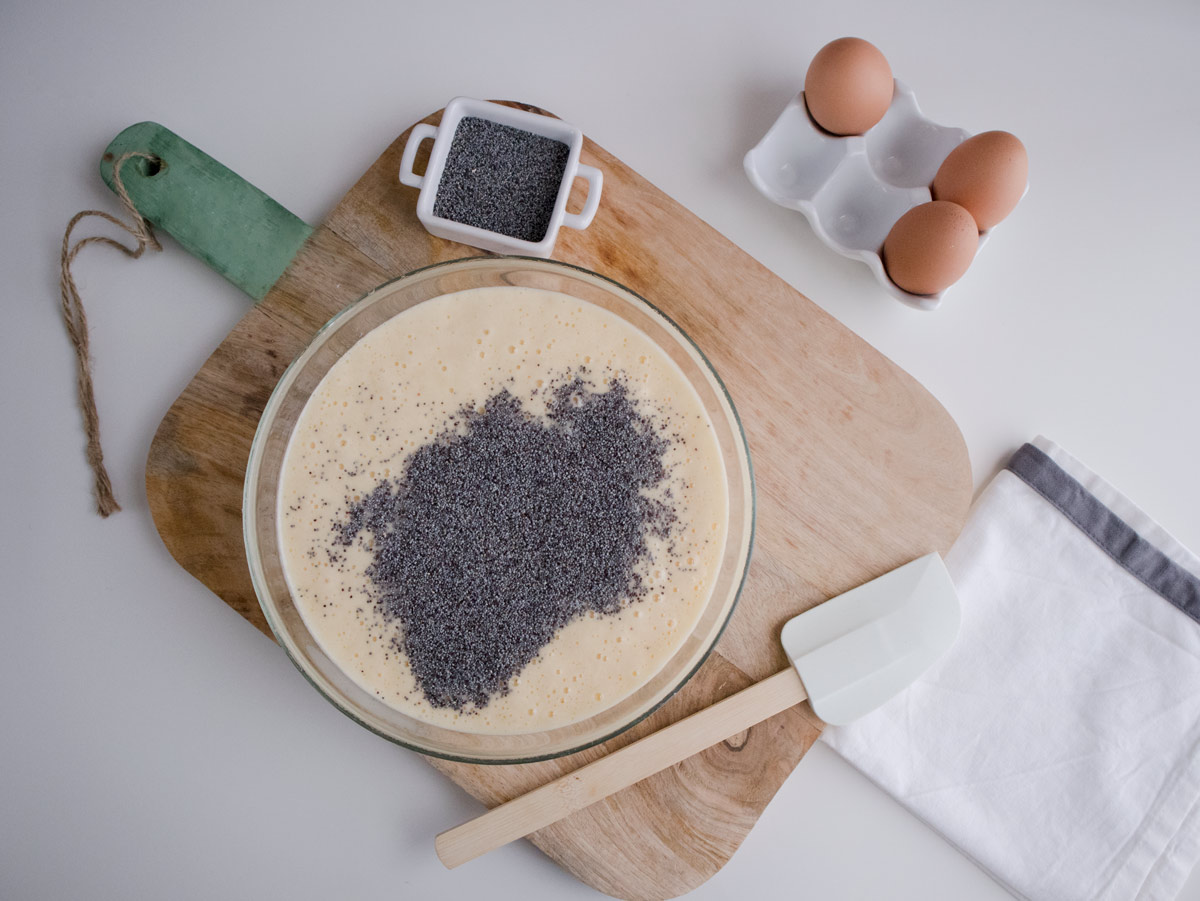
x=249, y=508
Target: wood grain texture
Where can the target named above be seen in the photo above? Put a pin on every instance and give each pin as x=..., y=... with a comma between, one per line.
x=858, y=470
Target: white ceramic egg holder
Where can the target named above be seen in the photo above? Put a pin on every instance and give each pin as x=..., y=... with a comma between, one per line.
x=853, y=189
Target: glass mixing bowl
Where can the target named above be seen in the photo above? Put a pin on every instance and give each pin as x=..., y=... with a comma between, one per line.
x=260, y=507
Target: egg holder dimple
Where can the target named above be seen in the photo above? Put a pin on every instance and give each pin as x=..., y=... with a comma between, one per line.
x=853, y=189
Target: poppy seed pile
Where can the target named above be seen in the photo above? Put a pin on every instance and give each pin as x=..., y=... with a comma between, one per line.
x=506, y=527
x=501, y=178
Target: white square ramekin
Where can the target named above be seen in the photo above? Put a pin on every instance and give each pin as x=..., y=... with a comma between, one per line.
x=443, y=135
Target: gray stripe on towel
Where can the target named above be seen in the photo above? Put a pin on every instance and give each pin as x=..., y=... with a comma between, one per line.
x=1113, y=535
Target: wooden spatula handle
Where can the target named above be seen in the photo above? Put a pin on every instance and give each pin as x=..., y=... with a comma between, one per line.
x=608, y=775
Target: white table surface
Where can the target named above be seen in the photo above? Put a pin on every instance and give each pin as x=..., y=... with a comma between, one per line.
x=155, y=746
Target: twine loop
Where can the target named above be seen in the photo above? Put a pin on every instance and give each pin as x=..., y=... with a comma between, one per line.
x=76, y=320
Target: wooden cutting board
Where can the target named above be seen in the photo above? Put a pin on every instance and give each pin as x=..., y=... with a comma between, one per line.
x=858, y=468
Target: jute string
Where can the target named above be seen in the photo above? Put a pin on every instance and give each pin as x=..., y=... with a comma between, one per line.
x=76, y=320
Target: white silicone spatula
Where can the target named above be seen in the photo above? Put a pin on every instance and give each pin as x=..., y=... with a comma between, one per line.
x=849, y=655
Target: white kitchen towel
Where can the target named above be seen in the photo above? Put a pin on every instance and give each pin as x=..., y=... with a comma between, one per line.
x=1057, y=743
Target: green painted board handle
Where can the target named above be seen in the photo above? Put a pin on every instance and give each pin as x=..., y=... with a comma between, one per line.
x=211, y=211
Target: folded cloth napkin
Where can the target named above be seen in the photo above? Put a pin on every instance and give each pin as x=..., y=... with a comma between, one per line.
x=1057, y=743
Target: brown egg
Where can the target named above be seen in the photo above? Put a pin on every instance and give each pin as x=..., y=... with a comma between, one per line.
x=986, y=174
x=930, y=247
x=848, y=87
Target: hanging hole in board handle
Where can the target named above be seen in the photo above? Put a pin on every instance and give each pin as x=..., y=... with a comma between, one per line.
x=595, y=180
x=146, y=164
x=420, y=133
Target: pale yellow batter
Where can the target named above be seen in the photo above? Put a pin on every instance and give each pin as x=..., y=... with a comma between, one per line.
x=394, y=391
